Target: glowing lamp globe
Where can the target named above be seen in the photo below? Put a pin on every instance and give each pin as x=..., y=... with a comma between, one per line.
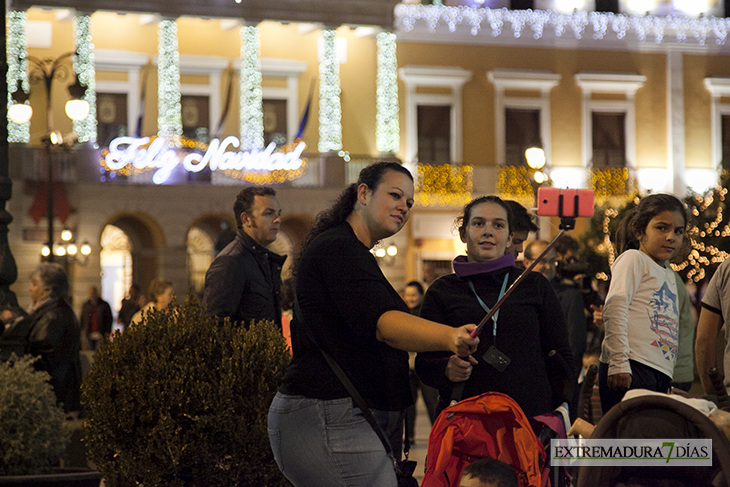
x=535, y=157
x=20, y=113
x=77, y=109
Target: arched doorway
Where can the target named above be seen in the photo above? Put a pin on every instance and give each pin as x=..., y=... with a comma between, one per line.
x=129, y=245
x=200, y=247
x=116, y=266
x=207, y=236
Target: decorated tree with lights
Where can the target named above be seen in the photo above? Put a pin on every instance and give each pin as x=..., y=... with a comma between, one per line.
x=709, y=241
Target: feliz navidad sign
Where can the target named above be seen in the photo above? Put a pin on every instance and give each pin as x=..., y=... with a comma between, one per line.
x=139, y=154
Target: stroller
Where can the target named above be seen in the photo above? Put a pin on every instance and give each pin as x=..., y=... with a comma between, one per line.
x=490, y=425
x=658, y=417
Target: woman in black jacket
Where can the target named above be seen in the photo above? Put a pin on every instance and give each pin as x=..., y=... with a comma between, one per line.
x=55, y=335
x=512, y=357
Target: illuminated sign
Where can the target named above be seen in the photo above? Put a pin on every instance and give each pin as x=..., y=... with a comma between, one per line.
x=131, y=154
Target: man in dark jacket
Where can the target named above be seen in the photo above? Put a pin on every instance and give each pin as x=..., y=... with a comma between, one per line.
x=96, y=319
x=244, y=281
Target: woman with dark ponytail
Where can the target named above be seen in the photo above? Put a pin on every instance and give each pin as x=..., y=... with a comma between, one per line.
x=349, y=310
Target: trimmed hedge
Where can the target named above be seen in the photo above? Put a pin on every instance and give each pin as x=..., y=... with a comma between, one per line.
x=178, y=400
x=33, y=430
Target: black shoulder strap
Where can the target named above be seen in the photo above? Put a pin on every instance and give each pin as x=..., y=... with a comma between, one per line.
x=359, y=401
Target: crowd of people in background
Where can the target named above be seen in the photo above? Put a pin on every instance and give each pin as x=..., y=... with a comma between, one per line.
x=345, y=322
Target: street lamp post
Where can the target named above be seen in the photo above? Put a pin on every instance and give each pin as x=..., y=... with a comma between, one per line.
x=47, y=70
x=8, y=269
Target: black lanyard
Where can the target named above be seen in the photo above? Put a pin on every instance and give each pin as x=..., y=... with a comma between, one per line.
x=486, y=308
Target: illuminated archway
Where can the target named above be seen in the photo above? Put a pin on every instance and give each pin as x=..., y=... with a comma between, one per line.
x=116, y=266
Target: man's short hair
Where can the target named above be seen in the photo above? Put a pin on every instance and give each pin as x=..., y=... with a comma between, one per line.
x=522, y=220
x=245, y=200
x=491, y=471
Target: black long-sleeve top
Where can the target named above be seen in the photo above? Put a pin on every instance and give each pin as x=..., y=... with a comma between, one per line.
x=529, y=326
x=342, y=293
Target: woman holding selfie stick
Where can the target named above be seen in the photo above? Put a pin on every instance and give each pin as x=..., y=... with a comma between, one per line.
x=514, y=354
x=348, y=309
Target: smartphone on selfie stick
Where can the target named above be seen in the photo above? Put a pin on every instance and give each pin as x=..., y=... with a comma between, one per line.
x=567, y=204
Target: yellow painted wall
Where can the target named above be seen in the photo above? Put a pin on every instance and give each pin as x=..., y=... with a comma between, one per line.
x=358, y=75
x=565, y=99
x=698, y=106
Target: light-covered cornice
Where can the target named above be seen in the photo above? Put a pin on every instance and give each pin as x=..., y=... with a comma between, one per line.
x=544, y=28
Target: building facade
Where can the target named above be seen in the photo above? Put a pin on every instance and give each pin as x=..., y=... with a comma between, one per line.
x=618, y=102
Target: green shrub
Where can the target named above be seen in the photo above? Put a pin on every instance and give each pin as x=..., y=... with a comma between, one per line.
x=178, y=400
x=33, y=431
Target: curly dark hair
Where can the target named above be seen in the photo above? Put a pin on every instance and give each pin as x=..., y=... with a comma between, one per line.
x=463, y=219
x=371, y=176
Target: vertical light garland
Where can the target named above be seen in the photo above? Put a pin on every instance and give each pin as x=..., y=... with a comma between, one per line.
x=169, y=114
x=17, y=57
x=387, y=134
x=251, y=112
x=330, y=111
x=84, y=67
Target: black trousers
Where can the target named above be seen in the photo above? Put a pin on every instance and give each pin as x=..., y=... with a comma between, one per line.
x=642, y=377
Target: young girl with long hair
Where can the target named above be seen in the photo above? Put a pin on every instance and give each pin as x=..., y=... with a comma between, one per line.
x=641, y=312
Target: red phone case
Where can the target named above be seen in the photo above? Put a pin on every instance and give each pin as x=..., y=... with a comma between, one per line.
x=548, y=202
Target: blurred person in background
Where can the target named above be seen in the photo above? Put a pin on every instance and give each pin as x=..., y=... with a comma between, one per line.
x=55, y=335
x=413, y=296
x=161, y=295
x=524, y=224
x=96, y=319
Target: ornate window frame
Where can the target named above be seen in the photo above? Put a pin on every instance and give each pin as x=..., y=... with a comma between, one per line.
x=527, y=80
x=213, y=67
x=452, y=77
x=718, y=87
x=625, y=84
x=130, y=63
x=291, y=70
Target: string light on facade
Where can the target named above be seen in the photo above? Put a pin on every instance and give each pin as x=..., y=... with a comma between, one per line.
x=444, y=184
x=169, y=114
x=17, y=76
x=612, y=185
x=330, y=111
x=251, y=98
x=598, y=25
x=513, y=182
x=84, y=68
x=387, y=135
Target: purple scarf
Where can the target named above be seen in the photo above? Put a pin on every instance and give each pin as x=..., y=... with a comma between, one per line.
x=464, y=268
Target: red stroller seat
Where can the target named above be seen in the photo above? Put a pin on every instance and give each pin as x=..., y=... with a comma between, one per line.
x=490, y=425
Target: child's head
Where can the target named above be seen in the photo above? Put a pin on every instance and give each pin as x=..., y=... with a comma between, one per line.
x=656, y=227
x=488, y=472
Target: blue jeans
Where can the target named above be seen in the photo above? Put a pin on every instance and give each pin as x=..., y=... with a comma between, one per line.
x=326, y=444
